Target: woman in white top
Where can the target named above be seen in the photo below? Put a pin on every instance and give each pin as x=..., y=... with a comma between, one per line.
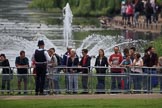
x=137, y=69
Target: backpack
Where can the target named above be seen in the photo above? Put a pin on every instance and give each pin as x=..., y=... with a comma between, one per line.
x=129, y=10
x=149, y=8
x=59, y=60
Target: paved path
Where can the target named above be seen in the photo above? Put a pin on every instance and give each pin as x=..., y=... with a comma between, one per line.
x=93, y=96
x=117, y=22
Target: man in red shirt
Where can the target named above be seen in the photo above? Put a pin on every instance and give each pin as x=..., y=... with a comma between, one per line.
x=114, y=61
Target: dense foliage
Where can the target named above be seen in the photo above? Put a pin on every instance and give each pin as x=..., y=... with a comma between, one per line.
x=158, y=45
x=81, y=7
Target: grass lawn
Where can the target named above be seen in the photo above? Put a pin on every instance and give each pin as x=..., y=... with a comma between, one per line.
x=83, y=103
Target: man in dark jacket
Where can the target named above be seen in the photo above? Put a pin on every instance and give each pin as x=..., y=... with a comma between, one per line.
x=6, y=70
x=139, y=6
x=86, y=63
x=148, y=12
x=64, y=63
x=150, y=60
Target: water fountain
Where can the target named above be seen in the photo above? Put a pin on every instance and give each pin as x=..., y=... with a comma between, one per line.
x=12, y=45
x=95, y=42
x=19, y=35
x=67, y=29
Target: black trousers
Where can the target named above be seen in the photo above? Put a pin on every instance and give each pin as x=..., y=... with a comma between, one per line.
x=100, y=83
x=40, y=79
x=4, y=84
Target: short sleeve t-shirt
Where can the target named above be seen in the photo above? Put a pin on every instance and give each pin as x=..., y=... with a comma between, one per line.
x=22, y=61
x=138, y=63
x=116, y=59
x=126, y=62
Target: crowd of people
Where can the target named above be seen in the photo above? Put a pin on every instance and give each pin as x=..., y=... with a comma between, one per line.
x=45, y=63
x=132, y=9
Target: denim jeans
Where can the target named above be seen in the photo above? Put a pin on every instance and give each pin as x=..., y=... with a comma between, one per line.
x=116, y=82
x=148, y=80
x=137, y=82
x=67, y=82
x=73, y=82
x=136, y=16
x=101, y=84
x=126, y=83
x=56, y=84
x=161, y=84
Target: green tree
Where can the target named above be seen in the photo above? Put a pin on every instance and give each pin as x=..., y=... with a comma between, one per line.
x=111, y=6
x=81, y=7
x=84, y=8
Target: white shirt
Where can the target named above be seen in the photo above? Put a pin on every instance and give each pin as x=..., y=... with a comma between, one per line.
x=48, y=58
x=137, y=63
x=123, y=8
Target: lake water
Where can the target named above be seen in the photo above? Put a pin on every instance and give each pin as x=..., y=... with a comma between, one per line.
x=21, y=28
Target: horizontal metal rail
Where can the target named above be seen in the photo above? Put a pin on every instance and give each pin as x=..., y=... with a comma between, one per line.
x=125, y=74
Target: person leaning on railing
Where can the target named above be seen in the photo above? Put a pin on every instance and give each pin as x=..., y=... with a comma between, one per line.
x=150, y=61
x=51, y=70
x=22, y=64
x=102, y=63
x=86, y=63
x=6, y=72
x=56, y=71
x=137, y=69
x=73, y=61
x=126, y=63
x=114, y=61
x=64, y=63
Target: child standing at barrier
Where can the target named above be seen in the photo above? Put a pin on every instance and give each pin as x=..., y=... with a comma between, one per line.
x=127, y=62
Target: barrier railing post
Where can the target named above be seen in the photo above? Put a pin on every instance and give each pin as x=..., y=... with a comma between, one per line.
x=91, y=80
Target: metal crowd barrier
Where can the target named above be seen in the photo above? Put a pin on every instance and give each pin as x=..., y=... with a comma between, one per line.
x=104, y=86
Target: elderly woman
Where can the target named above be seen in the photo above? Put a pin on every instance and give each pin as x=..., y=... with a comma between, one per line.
x=73, y=61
